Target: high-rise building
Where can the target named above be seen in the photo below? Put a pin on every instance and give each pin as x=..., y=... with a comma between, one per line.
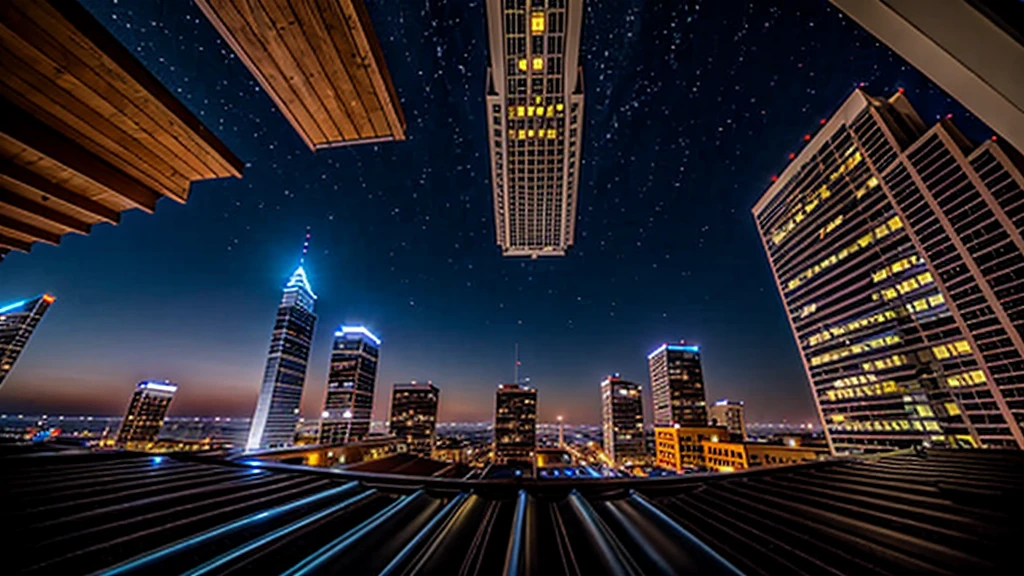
x=350, y=385
x=277, y=410
x=17, y=322
x=146, y=413
x=622, y=416
x=973, y=49
x=414, y=416
x=515, y=424
x=534, y=122
x=897, y=251
x=677, y=385
x=729, y=414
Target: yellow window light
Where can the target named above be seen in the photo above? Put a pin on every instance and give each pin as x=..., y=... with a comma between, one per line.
x=529, y=133
x=537, y=100
x=538, y=63
x=522, y=64
x=522, y=134
x=552, y=133
x=529, y=111
x=559, y=106
x=537, y=22
x=520, y=111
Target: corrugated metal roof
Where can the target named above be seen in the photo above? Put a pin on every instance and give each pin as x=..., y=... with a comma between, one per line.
x=937, y=513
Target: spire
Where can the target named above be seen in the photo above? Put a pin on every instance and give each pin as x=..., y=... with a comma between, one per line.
x=305, y=248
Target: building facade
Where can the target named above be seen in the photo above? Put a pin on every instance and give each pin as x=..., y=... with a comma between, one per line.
x=414, y=416
x=897, y=251
x=17, y=323
x=534, y=122
x=351, y=382
x=622, y=416
x=277, y=410
x=145, y=416
x=677, y=385
x=731, y=415
x=515, y=424
x=682, y=448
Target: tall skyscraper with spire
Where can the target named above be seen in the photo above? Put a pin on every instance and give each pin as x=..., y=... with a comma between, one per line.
x=17, y=322
x=277, y=410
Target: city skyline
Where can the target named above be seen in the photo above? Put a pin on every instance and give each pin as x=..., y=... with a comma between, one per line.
x=450, y=306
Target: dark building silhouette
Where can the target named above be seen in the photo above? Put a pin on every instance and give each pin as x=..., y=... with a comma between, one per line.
x=515, y=424
x=622, y=416
x=414, y=416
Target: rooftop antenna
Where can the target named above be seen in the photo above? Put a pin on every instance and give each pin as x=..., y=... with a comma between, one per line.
x=516, y=371
x=305, y=248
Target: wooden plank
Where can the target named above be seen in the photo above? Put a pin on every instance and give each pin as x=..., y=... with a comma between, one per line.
x=16, y=125
x=318, y=36
x=29, y=230
x=95, y=57
x=376, y=67
x=13, y=175
x=345, y=42
x=55, y=217
x=12, y=243
x=98, y=131
x=276, y=48
x=239, y=36
x=286, y=25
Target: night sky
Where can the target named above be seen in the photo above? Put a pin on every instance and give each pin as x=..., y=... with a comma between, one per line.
x=690, y=108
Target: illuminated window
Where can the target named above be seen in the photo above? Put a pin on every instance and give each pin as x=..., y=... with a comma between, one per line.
x=537, y=22
x=520, y=111
x=559, y=106
x=538, y=63
x=522, y=64
x=924, y=410
x=952, y=409
x=529, y=133
x=958, y=348
x=972, y=378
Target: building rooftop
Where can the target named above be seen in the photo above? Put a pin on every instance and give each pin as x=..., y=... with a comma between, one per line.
x=935, y=512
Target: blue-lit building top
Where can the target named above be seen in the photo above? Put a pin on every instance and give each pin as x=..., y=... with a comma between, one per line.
x=277, y=410
x=18, y=320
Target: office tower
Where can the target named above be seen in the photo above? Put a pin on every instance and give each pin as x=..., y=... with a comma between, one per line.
x=146, y=413
x=973, y=49
x=350, y=385
x=729, y=414
x=515, y=424
x=414, y=416
x=897, y=251
x=677, y=385
x=17, y=322
x=534, y=123
x=622, y=416
x=277, y=410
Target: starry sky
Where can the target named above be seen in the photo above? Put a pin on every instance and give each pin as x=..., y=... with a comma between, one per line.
x=690, y=108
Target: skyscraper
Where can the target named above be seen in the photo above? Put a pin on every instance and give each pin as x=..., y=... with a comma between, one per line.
x=677, y=385
x=414, y=416
x=350, y=385
x=277, y=410
x=17, y=322
x=146, y=413
x=622, y=416
x=897, y=251
x=534, y=122
x=515, y=424
x=731, y=415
